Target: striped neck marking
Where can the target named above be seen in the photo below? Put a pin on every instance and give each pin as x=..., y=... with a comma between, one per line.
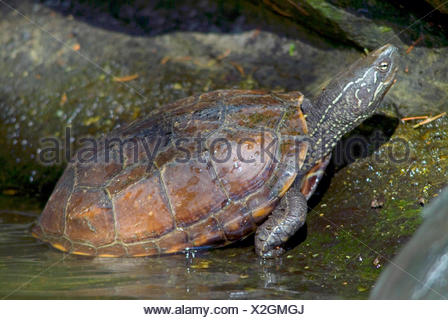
x=336, y=100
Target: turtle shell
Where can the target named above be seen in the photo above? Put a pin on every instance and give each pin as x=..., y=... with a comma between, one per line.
x=204, y=171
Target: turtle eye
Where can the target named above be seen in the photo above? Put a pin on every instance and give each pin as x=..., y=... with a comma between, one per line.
x=383, y=66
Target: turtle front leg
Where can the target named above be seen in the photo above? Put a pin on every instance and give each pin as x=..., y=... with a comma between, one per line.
x=284, y=221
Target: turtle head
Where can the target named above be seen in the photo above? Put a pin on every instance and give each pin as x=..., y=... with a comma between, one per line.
x=355, y=93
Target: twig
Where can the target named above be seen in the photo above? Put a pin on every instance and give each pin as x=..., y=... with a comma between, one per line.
x=255, y=33
x=63, y=99
x=414, y=118
x=164, y=60
x=225, y=54
x=185, y=58
x=126, y=78
x=412, y=46
x=429, y=120
x=238, y=67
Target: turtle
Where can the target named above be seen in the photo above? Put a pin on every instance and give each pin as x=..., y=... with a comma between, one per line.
x=210, y=169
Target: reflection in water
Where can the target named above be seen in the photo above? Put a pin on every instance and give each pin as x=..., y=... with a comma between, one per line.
x=31, y=269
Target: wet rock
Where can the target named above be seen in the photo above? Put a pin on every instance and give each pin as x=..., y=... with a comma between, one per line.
x=377, y=202
x=420, y=270
x=64, y=72
x=421, y=201
x=365, y=25
x=402, y=165
x=423, y=43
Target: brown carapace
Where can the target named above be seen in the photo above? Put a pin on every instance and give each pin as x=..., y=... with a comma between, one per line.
x=203, y=172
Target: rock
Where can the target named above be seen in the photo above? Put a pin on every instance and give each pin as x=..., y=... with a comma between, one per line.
x=333, y=21
x=440, y=5
x=63, y=74
x=377, y=202
x=419, y=89
x=364, y=25
x=420, y=270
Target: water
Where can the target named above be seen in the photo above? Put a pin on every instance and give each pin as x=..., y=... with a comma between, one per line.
x=30, y=269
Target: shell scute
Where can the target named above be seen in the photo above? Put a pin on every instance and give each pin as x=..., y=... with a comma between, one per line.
x=193, y=190
x=207, y=232
x=90, y=217
x=142, y=249
x=175, y=241
x=142, y=212
x=52, y=218
x=126, y=178
x=258, y=116
x=96, y=170
x=241, y=163
x=83, y=250
x=112, y=251
x=236, y=221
